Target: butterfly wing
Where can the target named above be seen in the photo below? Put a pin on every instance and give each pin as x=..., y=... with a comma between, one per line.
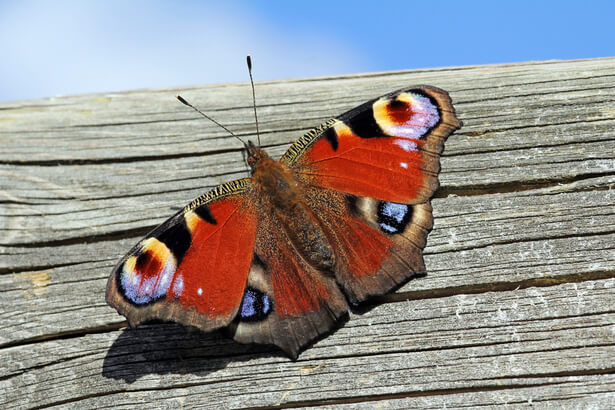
x=387, y=148
x=193, y=268
x=288, y=302
x=228, y=258
x=378, y=244
x=369, y=174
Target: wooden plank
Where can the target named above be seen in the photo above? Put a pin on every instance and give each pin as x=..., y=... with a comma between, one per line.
x=518, y=306
x=527, y=238
x=496, y=342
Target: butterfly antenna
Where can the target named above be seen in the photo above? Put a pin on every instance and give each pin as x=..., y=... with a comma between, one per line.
x=249, y=60
x=183, y=101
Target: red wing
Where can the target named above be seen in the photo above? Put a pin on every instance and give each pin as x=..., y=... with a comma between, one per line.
x=369, y=174
x=387, y=148
x=378, y=244
x=193, y=268
x=288, y=302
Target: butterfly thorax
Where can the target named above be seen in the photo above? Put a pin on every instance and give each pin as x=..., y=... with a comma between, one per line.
x=282, y=197
x=255, y=155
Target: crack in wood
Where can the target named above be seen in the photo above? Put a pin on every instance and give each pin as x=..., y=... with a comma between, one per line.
x=128, y=159
x=495, y=287
x=372, y=398
x=34, y=268
x=528, y=240
x=508, y=187
x=538, y=94
x=70, y=334
x=517, y=148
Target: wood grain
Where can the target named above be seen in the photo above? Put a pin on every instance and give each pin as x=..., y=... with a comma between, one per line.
x=518, y=307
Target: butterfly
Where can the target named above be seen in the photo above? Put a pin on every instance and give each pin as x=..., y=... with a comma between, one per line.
x=279, y=257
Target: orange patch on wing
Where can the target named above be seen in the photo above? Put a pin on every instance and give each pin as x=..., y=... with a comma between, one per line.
x=366, y=247
x=148, y=273
x=150, y=261
x=386, y=168
x=398, y=112
x=152, y=258
x=295, y=290
x=215, y=268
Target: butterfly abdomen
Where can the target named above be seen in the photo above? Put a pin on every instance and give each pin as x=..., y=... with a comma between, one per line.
x=282, y=195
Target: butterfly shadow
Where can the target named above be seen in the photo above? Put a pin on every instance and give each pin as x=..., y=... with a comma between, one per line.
x=168, y=348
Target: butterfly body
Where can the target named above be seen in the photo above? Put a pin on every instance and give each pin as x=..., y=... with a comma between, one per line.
x=277, y=258
x=281, y=195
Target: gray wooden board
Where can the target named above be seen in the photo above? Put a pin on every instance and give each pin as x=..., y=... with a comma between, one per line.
x=554, y=336
x=518, y=306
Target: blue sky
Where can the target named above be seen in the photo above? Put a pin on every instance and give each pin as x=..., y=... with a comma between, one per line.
x=69, y=47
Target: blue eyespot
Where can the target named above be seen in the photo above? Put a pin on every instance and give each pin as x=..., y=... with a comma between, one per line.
x=255, y=305
x=393, y=217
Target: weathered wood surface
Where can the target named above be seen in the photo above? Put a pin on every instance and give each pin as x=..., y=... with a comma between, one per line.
x=518, y=306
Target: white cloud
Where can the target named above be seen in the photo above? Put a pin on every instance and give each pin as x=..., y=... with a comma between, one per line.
x=68, y=47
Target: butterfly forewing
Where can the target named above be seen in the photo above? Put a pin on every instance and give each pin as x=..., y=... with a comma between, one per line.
x=193, y=268
x=387, y=148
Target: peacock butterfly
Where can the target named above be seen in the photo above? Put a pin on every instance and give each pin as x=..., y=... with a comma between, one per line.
x=277, y=258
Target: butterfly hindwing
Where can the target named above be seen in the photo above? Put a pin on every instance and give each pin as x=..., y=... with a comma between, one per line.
x=193, y=268
x=378, y=244
x=288, y=301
